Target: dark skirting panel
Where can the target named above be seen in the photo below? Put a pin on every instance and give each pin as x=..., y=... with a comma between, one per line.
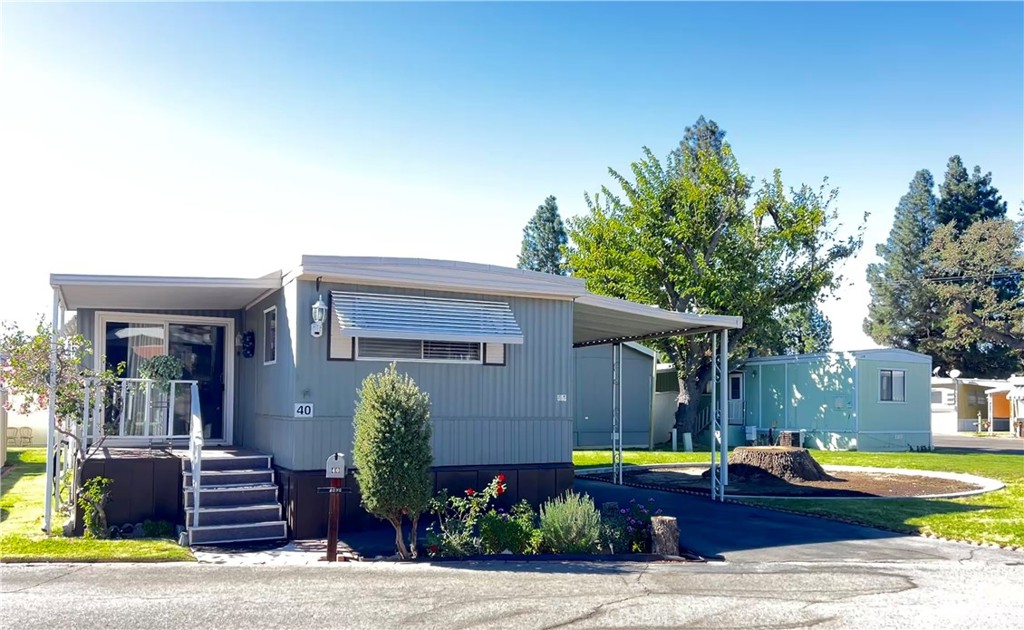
x=306, y=510
x=146, y=485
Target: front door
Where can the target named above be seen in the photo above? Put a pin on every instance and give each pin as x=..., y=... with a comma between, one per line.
x=735, y=399
x=200, y=347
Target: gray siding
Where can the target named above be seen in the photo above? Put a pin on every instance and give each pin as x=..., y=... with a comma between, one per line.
x=267, y=392
x=593, y=397
x=482, y=415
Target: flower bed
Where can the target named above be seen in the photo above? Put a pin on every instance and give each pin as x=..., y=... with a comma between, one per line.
x=569, y=527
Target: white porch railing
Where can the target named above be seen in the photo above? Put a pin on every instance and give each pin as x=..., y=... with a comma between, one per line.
x=141, y=409
x=195, y=452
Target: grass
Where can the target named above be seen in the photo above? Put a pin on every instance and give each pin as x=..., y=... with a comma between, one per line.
x=995, y=517
x=21, y=521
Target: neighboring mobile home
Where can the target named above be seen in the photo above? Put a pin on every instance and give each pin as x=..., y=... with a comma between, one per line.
x=868, y=400
x=592, y=427
x=960, y=404
x=492, y=346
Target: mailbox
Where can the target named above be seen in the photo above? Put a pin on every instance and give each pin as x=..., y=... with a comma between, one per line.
x=336, y=466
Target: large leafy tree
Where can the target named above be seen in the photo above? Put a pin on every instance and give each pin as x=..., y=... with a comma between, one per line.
x=977, y=276
x=543, y=239
x=685, y=235
x=903, y=310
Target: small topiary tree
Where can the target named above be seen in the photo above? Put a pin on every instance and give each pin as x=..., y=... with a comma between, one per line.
x=392, y=453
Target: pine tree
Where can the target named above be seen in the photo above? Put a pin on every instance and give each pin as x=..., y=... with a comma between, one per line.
x=965, y=198
x=902, y=309
x=543, y=239
x=805, y=330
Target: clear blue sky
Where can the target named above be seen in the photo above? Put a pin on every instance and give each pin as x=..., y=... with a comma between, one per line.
x=230, y=138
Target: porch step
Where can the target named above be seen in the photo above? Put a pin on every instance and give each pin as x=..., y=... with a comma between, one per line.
x=230, y=477
x=214, y=534
x=232, y=462
x=236, y=514
x=232, y=496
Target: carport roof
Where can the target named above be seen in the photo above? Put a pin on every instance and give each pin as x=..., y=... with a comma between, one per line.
x=160, y=292
x=598, y=320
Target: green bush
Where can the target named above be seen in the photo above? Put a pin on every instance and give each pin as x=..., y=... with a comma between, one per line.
x=391, y=451
x=570, y=524
x=628, y=529
x=157, y=529
x=93, y=501
x=454, y=534
x=510, y=531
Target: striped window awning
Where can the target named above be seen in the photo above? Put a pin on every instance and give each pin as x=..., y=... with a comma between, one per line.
x=377, y=316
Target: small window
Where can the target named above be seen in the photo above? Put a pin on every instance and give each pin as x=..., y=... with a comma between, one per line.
x=736, y=387
x=494, y=354
x=270, y=336
x=936, y=396
x=892, y=386
x=418, y=350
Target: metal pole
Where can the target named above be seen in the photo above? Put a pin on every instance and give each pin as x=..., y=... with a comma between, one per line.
x=618, y=393
x=51, y=426
x=724, y=371
x=333, y=521
x=714, y=419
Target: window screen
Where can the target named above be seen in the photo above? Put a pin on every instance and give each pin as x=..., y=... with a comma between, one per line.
x=892, y=385
x=390, y=349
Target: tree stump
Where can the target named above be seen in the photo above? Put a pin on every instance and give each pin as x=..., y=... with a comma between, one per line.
x=785, y=462
x=753, y=463
x=664, y=535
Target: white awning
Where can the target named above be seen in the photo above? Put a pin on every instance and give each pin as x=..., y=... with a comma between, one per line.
x=378, y=316
x=160, y=292
x=599, y=320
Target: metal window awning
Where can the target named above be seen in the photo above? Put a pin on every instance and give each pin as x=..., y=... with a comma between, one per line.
x=379, y=316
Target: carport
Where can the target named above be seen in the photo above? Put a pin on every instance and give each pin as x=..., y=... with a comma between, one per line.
x=600, y=320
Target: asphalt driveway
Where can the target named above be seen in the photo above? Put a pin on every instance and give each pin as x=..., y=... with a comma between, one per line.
x=747, y=534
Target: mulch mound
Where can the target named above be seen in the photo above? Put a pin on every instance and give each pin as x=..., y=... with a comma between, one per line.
x=758, y=483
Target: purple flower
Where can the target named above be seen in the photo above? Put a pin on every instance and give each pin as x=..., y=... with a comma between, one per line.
x=622, y=511
x=651, y=500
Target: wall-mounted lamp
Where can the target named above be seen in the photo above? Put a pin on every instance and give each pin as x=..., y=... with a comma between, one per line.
x=319, y=315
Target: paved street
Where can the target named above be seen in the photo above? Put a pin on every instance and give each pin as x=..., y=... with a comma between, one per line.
x=969, y=443
x=980, y=588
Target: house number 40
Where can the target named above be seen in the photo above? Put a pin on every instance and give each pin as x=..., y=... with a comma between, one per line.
x=303, y=410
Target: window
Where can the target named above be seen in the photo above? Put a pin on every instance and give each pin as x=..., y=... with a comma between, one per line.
x=270, y=336
x=418, y=350
x=936, y=396
x=735, y=387
x=892, y=386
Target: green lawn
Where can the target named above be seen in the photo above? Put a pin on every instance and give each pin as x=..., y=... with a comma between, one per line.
x=21, y=536
x=995, y=517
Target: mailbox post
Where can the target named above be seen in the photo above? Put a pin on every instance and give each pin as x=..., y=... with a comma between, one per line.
x=335, y=471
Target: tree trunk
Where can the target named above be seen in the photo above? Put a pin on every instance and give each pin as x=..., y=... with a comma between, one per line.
x=403, y=552
x=784, y=462
x=413, y=552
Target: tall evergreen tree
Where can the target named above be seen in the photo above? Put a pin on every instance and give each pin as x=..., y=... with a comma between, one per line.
x=543, y=239
x=965, y=198
x=902, y=309
x=804, y=330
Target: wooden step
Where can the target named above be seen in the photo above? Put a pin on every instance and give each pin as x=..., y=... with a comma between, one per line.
x=233, y=462
x=231, y=477
x=220, y=534
x=234, y=496
x=235, y=514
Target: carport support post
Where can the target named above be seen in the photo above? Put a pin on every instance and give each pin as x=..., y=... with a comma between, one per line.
x=51, y=430
x=723, y=371
x=713, y=411
x=617, y=413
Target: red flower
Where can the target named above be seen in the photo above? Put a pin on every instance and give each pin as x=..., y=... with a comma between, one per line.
x=432, y=548
x=469, y=492
x=501, y=489
x=501, y=478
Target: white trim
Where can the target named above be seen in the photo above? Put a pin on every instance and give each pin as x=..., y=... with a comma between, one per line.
x=100, y=346
x=61, y=280
x=263, y=337
x=894, y=432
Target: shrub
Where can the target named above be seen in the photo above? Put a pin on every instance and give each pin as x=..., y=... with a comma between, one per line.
x=570, y=524
x=391, y=451
x=454, y=534
x=513, y=531
x=157, y=529
x=93, y=500
x=628, y=529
